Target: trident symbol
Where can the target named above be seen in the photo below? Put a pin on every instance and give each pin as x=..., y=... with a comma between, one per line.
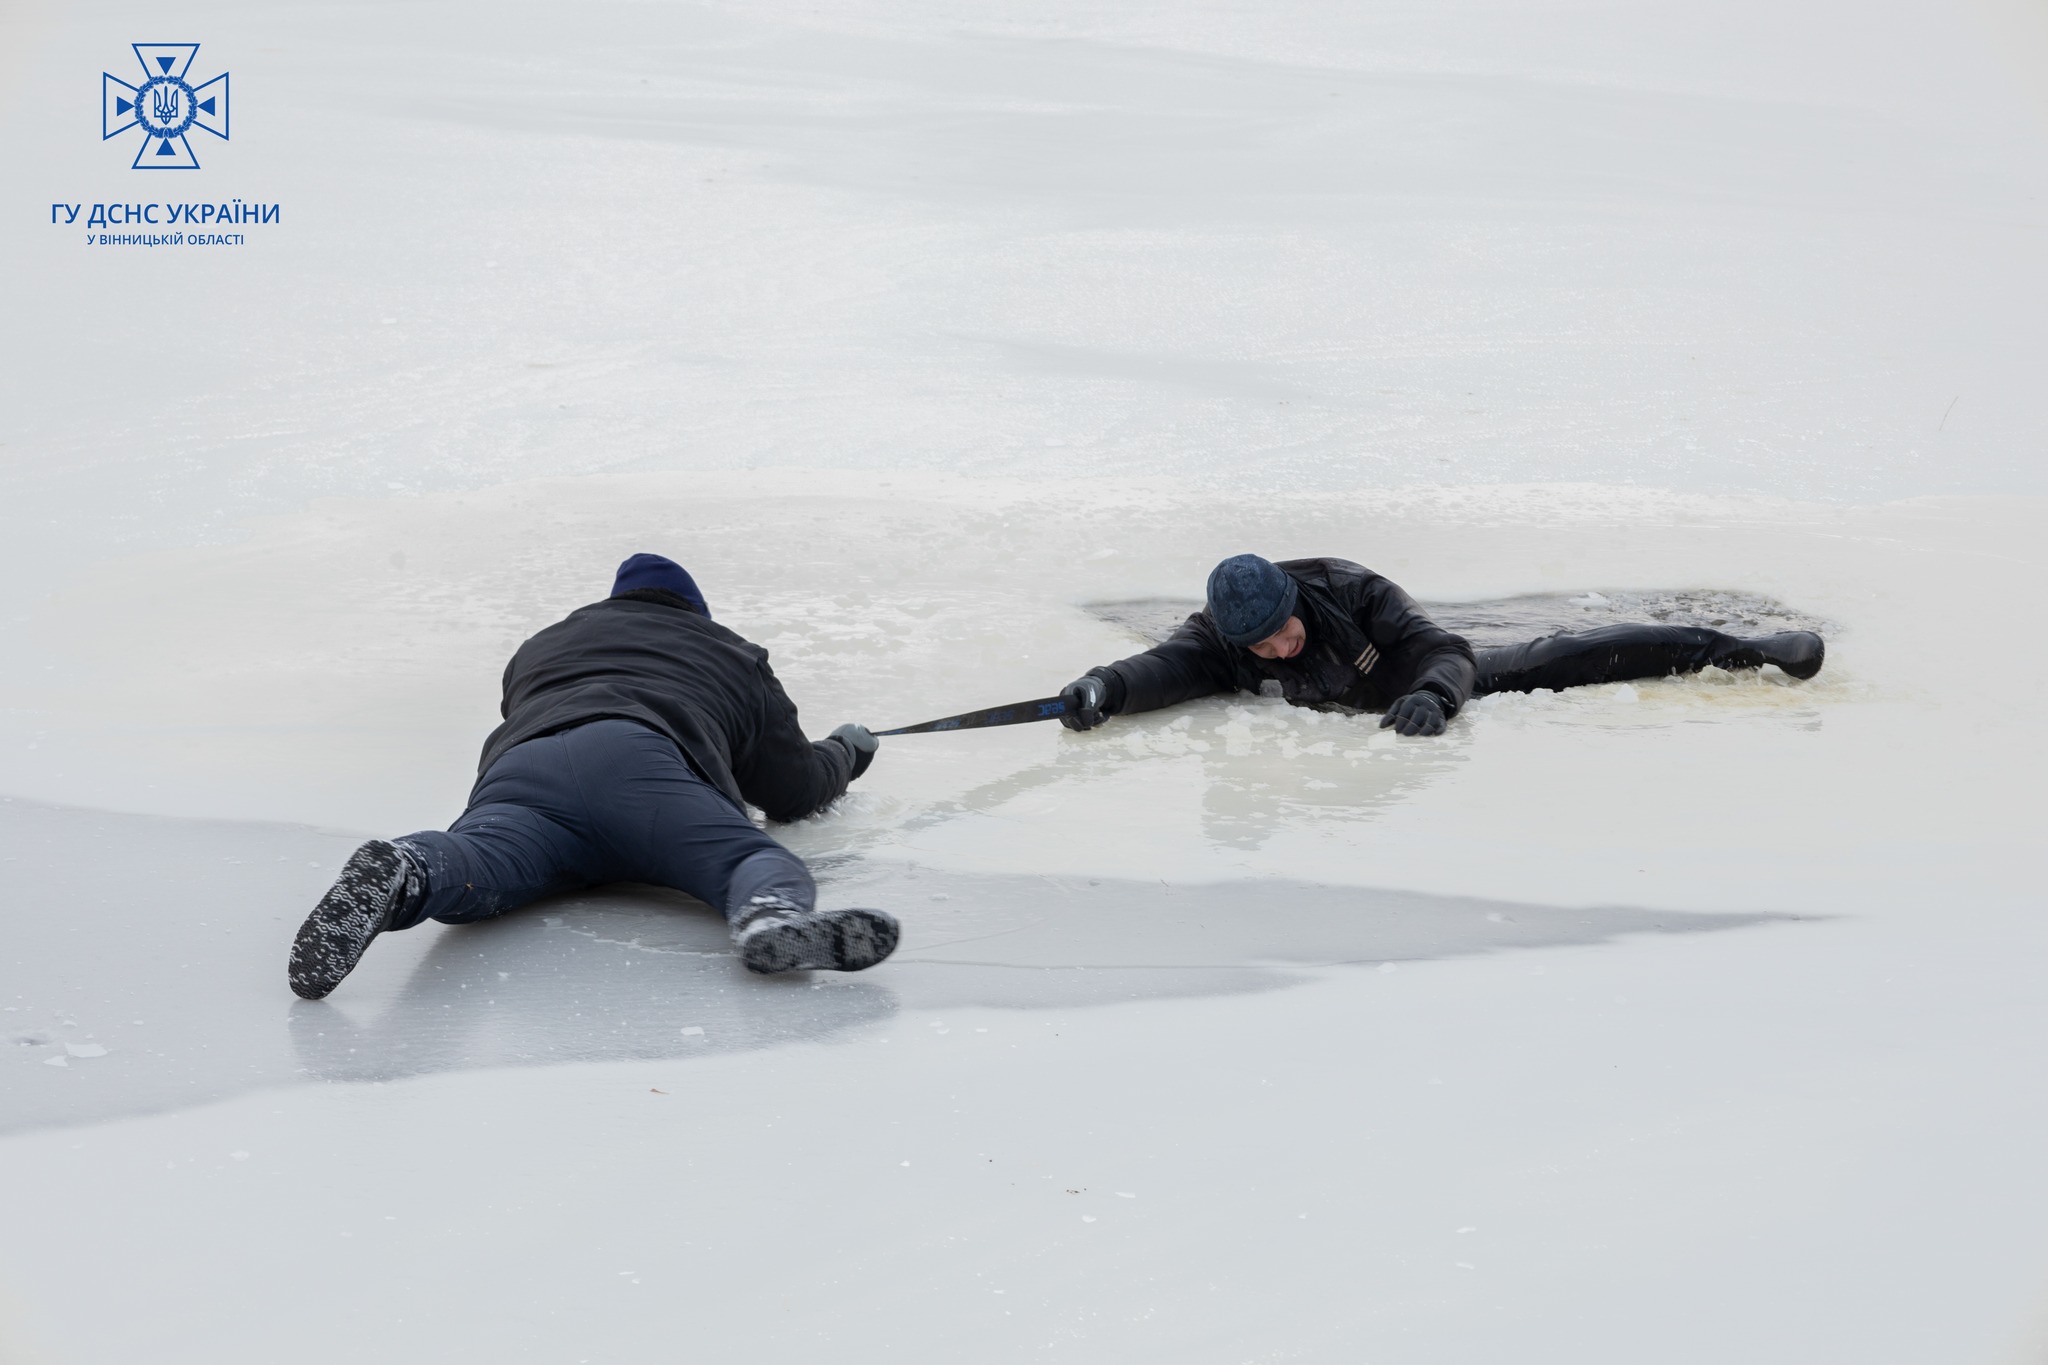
x=163, y=105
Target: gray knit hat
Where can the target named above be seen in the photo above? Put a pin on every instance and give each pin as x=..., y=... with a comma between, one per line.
x=1249, y=598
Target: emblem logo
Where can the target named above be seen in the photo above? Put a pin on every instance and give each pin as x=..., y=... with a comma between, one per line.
x=166, y=106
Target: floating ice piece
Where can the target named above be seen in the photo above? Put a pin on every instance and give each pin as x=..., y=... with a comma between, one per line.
x=906, y=1163
x=56, y=1061
x=1087, y=1217
x=1593, y=599
x=1124, y=1195
x=1467, y=1265
x=693, y=1031
x=238, y=1155
x=86, y=1049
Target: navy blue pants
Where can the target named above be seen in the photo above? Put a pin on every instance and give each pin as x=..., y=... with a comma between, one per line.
x=610, y=801
x=1608, y=654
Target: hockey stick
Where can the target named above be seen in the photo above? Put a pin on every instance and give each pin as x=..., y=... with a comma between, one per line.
x=1016, y=713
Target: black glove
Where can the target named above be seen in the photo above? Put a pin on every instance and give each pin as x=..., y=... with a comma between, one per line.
x=1085, y=696
x=1418, y=713
x=860, y=742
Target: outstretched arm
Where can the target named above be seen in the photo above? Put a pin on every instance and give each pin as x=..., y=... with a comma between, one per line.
x=785, y=774
x=1192, y=662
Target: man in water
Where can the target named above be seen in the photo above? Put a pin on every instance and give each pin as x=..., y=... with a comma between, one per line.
x=636, y=730
x=1330, y=634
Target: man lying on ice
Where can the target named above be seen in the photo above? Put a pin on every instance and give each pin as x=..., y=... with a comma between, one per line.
x=1329, y=634
x=635, y=732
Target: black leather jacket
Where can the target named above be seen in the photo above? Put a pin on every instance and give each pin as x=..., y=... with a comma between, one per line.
x=1368, y=644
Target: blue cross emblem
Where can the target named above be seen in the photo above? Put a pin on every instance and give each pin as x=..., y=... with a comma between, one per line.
x=166, y=106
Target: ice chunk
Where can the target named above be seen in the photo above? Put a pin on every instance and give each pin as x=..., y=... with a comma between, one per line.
x=86, y=1049
x=694, y=1031
x=56, y=1061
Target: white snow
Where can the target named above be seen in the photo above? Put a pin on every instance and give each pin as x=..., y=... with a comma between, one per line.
x=1704, y=1008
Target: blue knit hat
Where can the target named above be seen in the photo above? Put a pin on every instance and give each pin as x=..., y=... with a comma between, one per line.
x=1249, y=598
x=653, y=571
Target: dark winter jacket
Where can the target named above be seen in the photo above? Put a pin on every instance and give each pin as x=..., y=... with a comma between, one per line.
x=1368, y=644
x=662, y=665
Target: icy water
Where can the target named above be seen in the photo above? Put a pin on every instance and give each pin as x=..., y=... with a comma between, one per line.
x=1508, y=620
x=1690, y=1020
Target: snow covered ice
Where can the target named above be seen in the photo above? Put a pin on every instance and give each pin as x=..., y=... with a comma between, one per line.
x=1689, y=1020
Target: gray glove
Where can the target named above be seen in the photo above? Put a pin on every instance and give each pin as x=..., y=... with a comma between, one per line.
x=1418, y=713
x=1085, y=697
x=860, y=742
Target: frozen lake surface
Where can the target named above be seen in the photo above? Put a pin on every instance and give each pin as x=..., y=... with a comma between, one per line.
x=1694, y=1020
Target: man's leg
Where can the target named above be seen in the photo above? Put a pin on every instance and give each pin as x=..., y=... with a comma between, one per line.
x=522, y=837
x=1626, y=652
x=658, y=822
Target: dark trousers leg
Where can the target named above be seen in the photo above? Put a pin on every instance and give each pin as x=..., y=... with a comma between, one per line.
x=609, y=801
x=1609, y=654
x=664, y=825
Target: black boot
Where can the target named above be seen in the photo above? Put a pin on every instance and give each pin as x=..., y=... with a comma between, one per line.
x=1798, y=652
x=376, y=883
x=775, y=934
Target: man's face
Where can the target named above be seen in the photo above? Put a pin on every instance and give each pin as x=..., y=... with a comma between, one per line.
x=1283, y=643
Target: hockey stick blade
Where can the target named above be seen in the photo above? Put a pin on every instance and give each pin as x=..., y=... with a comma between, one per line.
x=1016, y=713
